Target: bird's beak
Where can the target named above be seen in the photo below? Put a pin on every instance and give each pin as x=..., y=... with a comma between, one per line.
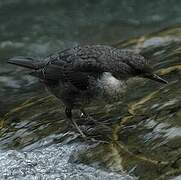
x=157, y=78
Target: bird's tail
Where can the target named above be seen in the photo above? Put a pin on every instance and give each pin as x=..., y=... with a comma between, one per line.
x=26, y=62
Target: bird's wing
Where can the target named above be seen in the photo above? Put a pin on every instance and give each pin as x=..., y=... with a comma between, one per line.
x=67, y=73
x=80, y=66
x=73, y=69
x=83, y=72
x=80, y=80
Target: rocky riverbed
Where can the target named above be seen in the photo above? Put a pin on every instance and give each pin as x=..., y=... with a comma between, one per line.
x=138, y=137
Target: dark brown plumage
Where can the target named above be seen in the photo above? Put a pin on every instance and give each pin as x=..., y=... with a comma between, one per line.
x=74, y=75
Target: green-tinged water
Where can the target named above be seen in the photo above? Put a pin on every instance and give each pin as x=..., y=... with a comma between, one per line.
x=139, y=136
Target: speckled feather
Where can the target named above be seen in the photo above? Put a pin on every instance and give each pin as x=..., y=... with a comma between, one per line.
x=76, y=75
x=95, y=59
x=77, y=71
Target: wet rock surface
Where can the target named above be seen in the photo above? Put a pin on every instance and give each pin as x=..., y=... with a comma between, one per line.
x=136, y=137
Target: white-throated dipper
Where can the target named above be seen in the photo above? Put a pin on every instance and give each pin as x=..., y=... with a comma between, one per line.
x=74, y=75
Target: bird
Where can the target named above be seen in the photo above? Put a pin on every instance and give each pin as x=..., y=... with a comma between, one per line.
x=80, y=74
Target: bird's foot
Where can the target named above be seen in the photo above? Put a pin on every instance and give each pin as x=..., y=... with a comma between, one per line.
x=82, y=115
x=89, y=120
x=88, y=138
x=93, y=139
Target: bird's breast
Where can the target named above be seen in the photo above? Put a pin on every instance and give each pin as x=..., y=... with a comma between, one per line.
x=110, y=87
x=105, y=88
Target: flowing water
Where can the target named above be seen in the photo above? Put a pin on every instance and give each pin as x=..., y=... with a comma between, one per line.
x=138, y=136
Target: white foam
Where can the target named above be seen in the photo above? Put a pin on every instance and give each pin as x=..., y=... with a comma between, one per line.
x=51, y=162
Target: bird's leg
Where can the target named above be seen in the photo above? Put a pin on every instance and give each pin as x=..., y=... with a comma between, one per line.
x=68, y=113
x=92, y=120
x=86, y=116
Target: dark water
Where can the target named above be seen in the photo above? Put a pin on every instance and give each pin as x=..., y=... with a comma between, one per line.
x=142, y=130
x=38, y=26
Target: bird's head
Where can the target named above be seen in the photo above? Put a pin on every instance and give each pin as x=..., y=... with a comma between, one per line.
x=154, y=77
x=141, y=67
x=148, y=73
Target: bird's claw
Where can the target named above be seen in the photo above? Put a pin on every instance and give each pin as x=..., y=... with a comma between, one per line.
x=93, y=139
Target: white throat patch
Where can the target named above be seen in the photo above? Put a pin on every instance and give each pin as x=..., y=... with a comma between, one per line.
x=110, y=84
